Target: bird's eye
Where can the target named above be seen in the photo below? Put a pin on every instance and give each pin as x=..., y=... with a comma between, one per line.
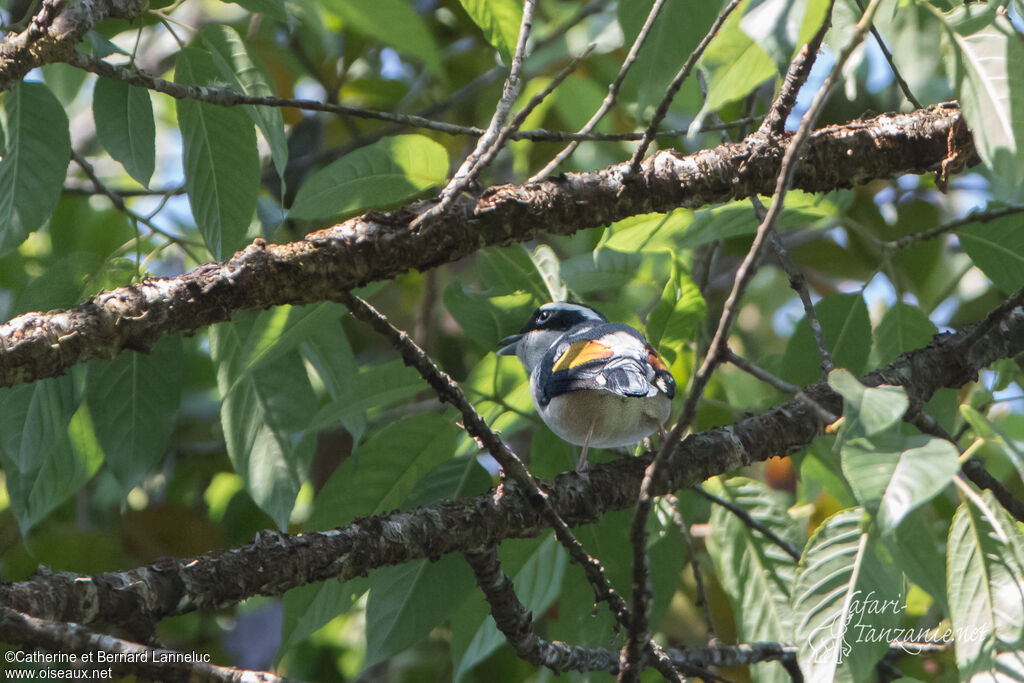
x=543, y=316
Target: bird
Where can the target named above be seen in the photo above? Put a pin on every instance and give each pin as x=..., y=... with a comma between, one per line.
x=593, y=382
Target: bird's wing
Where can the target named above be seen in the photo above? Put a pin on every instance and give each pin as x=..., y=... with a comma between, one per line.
x=606, y=357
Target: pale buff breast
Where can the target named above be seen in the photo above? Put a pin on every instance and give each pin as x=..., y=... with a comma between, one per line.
x=618, y=420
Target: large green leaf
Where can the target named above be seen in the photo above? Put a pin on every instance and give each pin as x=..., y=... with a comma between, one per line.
x=847, y=327
x=990, y=87
x=42, y=463
x=510, y=270
x=242, y=73
x=373, y=387
x=383, y=173
x=384, y=470
x=893, y=474
x=222, y=172
x=487, y=319
x=868, y=410
x=677, y=31
x=902, y=328
x=265, y=407
x=985, y=565
x=536, y=567
x=407, y=601
x=672, y=324
x=37, y=148
x=499, y=20
x=997, y=247
x=735, y=64
x=755, y=573
x=775, y=26
x=123, y=115
x=133, y=400
x=309, y=607
x=846, y=597
x=392, y=22
x=995, y=437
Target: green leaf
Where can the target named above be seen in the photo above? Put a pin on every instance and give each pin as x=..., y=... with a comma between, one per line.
x=384, y=470
x=997, y=247
x=265, y=407
x=499, y=20
x=672, y=324
x=386, y=172
x=133, y=400
x=37, y=148
x=407, y=601
x=847, y=327
x=222, y=172
x=990, y=88
x=754, y=572
x=868, y=410
x=549, y=267
x=374, y=386
x=674, y=35
x=123, y=115
x=272, y=8
x=903, y=328
x=392, y=22
x=488, y=319
x=995, y=437
x=510, y=270
x=894, y=474
x=40, y=462
x=846, y=595
x=646, y=232
x=536, y=567
x=985, y=565
x=735, y=65
x=241, y=72
x=309, y=607
x=775, y=26
x=916, y=550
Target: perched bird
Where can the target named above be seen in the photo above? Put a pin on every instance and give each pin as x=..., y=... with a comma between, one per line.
x=594, y=383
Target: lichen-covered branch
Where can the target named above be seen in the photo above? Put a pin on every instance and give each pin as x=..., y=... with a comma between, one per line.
x=378, y=246
x=277, y=562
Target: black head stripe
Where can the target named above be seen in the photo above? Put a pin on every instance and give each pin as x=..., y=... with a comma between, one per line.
x=562, y=317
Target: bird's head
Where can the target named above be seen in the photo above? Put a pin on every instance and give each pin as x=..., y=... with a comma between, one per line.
x=546, y=325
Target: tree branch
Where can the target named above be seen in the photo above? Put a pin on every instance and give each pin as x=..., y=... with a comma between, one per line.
x=377, y=246
x=276, y=562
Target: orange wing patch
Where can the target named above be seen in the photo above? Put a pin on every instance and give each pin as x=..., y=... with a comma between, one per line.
x=581, y=352
x=655, y=360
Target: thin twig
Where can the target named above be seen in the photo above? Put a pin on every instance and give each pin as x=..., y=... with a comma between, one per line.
x=490, y=142
x=779, y=384
x=638, y=531
x=973, y=467
x=611, y=96
x=677, y=82
x=991, y=319
x=702, y=594
x=120, y=205
x=796, y=75
x=749, y=521
x=512, y=467
x=892, y=64
x=124, y=192
x=147, y=662
x=972, y=217
x=798, y=283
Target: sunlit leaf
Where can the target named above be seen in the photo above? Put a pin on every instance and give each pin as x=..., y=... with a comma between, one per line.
x=499, y=20
x=383, y=173
x=394, y=23
x=222, y=172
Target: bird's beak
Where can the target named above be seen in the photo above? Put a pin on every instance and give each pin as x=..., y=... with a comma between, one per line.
x=507, y=346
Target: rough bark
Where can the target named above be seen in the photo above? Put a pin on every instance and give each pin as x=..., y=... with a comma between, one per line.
x=378, y=246
x=276, y=562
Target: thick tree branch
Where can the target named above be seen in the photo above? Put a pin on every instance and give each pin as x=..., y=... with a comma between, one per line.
x=22, y=52
x=275, y=562
x=124, y=657
x=378, y=246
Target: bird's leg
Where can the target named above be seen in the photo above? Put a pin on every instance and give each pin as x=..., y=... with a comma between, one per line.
x=582, y=465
